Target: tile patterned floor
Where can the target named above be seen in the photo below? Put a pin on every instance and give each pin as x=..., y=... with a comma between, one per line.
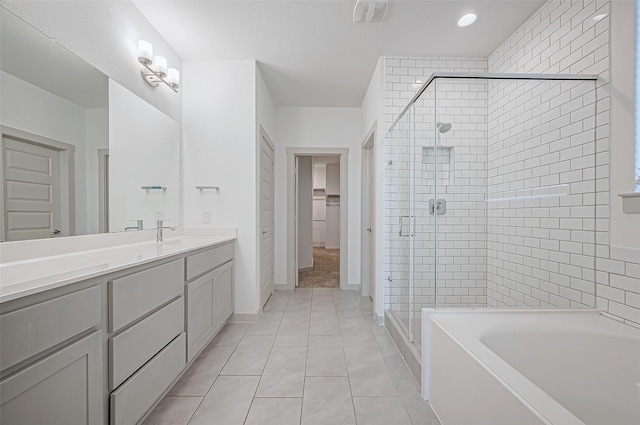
x=314, y=358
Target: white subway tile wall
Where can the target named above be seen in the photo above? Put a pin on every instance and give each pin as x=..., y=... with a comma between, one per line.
x=541, y=185
x=527, y=176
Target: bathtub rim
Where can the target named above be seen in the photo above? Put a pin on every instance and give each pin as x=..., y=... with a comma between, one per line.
x=542, y=405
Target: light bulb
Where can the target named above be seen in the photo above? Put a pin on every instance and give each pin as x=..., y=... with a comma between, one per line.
x=160, y=65
x=467, y=20
x=173, y=77
x=145, y=52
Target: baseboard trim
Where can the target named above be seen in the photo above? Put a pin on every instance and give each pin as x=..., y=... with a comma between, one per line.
x=281, y=287
x=351, y=287
x=244, y=318
x=305, y=269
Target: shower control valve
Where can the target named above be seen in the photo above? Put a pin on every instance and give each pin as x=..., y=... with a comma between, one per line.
x=437, y=206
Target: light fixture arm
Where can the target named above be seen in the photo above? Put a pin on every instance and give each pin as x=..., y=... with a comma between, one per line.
x=153, y=78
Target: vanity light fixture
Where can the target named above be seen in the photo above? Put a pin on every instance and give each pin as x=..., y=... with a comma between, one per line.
x=467, y=20
x=156, y=70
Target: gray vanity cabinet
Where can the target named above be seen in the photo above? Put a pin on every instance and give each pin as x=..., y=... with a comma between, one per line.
x=52, y=366
x=222, y=292
x=200, y=313
x=209, y=296
x=105, y=350
x=61, y=389
x=147, y=344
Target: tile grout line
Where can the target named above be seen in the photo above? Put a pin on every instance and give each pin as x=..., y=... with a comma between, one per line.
x=265, y=363
x=218, y=375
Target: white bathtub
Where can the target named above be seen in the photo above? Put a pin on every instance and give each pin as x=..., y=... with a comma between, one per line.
x=532, y=367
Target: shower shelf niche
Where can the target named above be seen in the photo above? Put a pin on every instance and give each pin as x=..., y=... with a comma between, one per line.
x=440, y=158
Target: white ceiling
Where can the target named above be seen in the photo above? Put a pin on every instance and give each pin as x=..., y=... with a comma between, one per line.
x=312, y=54
x=28, y=54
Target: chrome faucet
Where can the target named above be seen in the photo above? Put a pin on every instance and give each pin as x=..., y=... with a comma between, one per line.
x=159, y=237
x=138, y=226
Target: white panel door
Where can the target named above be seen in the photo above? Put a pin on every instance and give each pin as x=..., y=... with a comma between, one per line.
x=266, y=220
x=31, y=191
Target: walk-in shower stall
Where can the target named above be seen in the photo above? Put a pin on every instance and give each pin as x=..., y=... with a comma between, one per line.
x=490, y=196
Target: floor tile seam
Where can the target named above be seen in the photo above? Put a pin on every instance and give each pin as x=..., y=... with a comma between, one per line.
x=353, y=405
x=279, y=396
x=273, y=344
x=196, y=409
x=221, y=369
x=183, y=396
x=304, y=386
x=208, y=390
x=403, y=361
x=246, y=416
x=378, y=396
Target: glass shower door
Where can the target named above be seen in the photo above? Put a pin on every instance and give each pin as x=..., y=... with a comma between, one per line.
x=397, y=211
x=422, y=175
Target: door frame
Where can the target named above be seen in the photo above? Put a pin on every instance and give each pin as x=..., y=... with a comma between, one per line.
x=368, y=249
x=66, y=153
x=103, y=190
x=262, y=134
x=292, y=199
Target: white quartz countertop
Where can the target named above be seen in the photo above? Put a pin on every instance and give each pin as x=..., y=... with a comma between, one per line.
x=21, y=278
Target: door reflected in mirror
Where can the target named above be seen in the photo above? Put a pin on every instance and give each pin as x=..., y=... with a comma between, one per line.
x=54, y=121
x=59, y=174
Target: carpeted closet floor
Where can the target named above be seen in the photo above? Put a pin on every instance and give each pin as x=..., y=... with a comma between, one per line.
x=325, y=272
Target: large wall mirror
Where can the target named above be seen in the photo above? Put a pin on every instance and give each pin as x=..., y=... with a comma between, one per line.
x=80, y=153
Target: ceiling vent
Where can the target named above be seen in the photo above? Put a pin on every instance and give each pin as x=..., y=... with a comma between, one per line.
x=370, y=11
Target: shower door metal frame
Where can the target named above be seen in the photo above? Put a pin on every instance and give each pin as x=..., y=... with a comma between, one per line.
x=490, y=76
x=412, y=144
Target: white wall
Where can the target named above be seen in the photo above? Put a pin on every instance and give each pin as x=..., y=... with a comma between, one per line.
x=219, y=148
x=29, y=108
x=305, y=210
x=625, y=228
x=323, y=128
x=373, y=101
x=144, y=150
x=373, y=105
x=265, y=108
x=105, y=34
x=32, y=109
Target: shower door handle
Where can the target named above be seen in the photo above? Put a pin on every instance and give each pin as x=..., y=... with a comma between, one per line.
x=409, y=231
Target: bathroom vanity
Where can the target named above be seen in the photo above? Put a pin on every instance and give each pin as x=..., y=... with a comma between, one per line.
x=99, y=336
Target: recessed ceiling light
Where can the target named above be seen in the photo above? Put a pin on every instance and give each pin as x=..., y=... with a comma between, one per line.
x=467, y=19
x=600, y=17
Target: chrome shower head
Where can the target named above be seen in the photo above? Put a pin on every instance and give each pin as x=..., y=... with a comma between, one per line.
x=443, y=127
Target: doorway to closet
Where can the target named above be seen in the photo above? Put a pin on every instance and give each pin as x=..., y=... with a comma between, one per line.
x=302, y=221
x=318, y=221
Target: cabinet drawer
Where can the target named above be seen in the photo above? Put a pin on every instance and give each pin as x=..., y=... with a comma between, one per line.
x=61, y=389
x=135, y=346
x=133, y=296
x=200, y=263
x=133, y=398
x=31, y=330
